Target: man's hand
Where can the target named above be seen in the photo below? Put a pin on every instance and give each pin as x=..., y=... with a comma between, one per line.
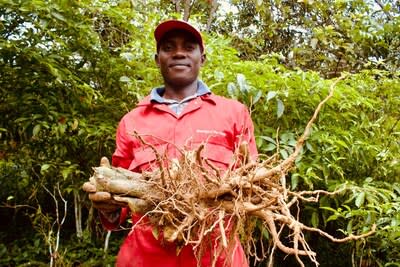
x=103, y=201
x=108, y=203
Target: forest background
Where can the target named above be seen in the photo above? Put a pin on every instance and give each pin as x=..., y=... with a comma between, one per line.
x=71, y=69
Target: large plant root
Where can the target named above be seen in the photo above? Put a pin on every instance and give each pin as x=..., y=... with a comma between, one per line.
x=192, y=202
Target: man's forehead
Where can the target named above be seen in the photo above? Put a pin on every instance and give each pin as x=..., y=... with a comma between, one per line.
x=173, y=34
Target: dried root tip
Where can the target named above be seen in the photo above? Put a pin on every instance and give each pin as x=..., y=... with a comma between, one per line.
x=100, y=197
x=172, y=234
x=244, y=152
x=104, y=162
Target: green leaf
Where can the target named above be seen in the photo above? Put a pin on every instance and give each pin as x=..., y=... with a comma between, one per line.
x=241, y=81
x=36, y=129
x=265, y=233
x=270, y=95
x=44, y=168
x=75, y=124
x=349, y=228
x=270, y=147
x=127, y=56
x=284, y=153
x=314, y=219
x=360, y=199
x=267, y=138
x=310, y=147
x=65, y=173
x=219, y=76
x=257, y=97
x=332, y=218
x=58, y=16
x=125, y=79
x=280, y=108
x=314, y=42
x=294, y=179
x=231, y=89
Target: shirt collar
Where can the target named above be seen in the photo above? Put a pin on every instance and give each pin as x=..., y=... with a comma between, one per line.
x=156, y=93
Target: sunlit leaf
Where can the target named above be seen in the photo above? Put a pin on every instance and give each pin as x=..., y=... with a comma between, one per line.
x=280, y=108
x=314, y=219
x=241, y=81
x=44, y=168
x=36, y=129
x=270, y=95
x=124, y=79
x=360, y=199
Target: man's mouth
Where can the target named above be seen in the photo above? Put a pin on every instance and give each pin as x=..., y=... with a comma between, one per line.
x=178, y=65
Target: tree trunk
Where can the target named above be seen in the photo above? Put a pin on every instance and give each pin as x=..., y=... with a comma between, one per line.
x=213, y=10
x=186, y=11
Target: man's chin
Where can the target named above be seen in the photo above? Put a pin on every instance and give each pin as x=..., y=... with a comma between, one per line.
x=180, y=81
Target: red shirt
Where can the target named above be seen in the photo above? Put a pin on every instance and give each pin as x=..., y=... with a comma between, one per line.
x=220, y=123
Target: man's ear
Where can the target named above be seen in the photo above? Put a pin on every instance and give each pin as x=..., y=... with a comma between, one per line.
x=203, y=59
x=156, y=59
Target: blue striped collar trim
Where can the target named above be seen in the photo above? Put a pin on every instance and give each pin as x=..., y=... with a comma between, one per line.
x=156, y=94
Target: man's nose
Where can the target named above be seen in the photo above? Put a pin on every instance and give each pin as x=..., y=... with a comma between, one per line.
x=179, y=52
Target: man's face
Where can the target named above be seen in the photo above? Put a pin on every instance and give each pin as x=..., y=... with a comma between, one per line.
x=179, y=59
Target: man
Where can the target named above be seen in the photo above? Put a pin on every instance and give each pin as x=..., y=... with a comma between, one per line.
x=180, y=115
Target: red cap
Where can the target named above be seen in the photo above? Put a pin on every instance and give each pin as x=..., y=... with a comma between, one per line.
x=174, y=24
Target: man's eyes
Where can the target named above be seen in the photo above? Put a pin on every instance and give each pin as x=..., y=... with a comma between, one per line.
x=167, y=47
x=170, y=47
x=190, y=47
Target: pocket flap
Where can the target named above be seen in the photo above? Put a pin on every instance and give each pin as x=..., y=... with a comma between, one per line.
x=218, y=154
x=143, y=159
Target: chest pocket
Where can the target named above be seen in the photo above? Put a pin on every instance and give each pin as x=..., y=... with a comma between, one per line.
x=145, y=158
x=217, y=147
x=218, y=155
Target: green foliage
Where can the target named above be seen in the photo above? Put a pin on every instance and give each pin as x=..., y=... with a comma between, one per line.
x=23, y=250
x=29, y=251
x=324, y=36
x=71, y=70
x=359, y=207
x=64, y=69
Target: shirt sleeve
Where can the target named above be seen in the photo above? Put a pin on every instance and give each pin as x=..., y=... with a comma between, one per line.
x=123, y=154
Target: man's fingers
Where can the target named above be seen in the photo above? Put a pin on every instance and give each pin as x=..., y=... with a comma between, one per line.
x=100, y=196
x=89, y=187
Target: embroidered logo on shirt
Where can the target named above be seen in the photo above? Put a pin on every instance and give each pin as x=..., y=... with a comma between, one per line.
x=211, y=132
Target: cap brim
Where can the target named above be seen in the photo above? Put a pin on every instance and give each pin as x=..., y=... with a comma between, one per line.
x=170, y=25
